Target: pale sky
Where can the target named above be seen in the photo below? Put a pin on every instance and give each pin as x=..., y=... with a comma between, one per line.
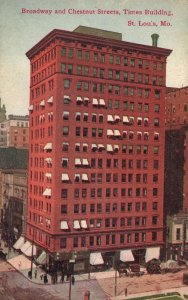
x=20, y=32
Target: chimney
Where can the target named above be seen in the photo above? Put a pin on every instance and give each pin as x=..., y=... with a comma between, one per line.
x=154, y=37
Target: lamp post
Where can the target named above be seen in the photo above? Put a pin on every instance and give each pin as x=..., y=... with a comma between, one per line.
x=31, y=271
x=71, y=271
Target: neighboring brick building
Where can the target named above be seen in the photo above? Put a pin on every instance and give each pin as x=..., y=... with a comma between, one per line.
x=96, y=159
x=15, y=132
x=176, y=172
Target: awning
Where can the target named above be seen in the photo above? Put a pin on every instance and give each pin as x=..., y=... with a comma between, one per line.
x=65, y=113
x=83, y=224
x=32, y=250
x=126, y=255
x=85, y=162
x=96, y=259
x=64, y=225
x=152, y=253
x=48, y=146
x=19, y=243
x=47, y=192
x=117, y=132
x=124, y=134
x=116, y=147
x=95, y=101
x=85, y=114
x=50, y=100
x=101, y=146
x=25, y=246
x=78, y=162
x=66, y=97
x=146, y=133
x=79, y=99
x=102, y=102
x=86, y=99
x=110, y=118
x=85, y=177
x=65, y=177
x=48, y=160
x=117, y=118
x=139, y=132
x=41, y=259
x=93, y=146
x=31, y=107
x=48, y=175
x=78, y=114
x=110, y=132
x=21, y=262
x=42, y=103
x=139, y=119
x=109, y=148
x=76, y=224
x=125, y=119
x=156, y=134
x=85, y=145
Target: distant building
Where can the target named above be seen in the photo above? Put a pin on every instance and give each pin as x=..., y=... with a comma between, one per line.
x=96, y=159
x=2, y=112
x=15, y=132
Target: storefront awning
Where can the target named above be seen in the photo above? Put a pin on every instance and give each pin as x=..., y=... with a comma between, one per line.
x=83, y=224
x=126, y=255
x=41, y=259
x=31, y=251
x=64, y=225
x=19, y=243
x=25, y=246
x=152, y=253
x=76, y=224
x=96, y=259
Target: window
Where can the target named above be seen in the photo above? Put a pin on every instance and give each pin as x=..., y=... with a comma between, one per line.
x=137, y=221
x=132, y=62
x=87, y=55
x=92, y=193
x=79, y=54
x=157, y=94
x=108, y=192
x=155, y=205
x=122, y=238
x=154, y=236
x=63, y=51
x=63, y=243
x=96, y=56
x=155, y=178
x=64, y=193
x=178, y=234
x=70, y=68
x=154, y=220
x=85, y=132
x=78, y=131
x=111, y=59
x=156, y=164
x=76, y=208
x=116, y=104
x=107, y=222
x=118, y=60
x=65, y=130
x=156, y=150
x=66, y=83
x=155, y=192
x=71, y=52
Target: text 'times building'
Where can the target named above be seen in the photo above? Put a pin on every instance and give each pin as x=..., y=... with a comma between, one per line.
x=96, y=163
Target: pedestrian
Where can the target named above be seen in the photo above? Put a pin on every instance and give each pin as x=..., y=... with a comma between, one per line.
x=41, y=276
x=35, y=273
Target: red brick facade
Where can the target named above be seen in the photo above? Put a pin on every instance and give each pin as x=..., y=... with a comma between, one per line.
x=96, y=143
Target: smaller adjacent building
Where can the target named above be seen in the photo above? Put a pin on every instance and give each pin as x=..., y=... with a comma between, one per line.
x=177, y=236
x=15, y=132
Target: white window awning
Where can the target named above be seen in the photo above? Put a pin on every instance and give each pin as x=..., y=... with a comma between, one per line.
x=47, y=192
x=125, y=119
x=146, y=119
x=31, y=107
x=146, y=133
x=42, y=103
x=19, y=243
x=102, y=102
x=83, y=224
x=126, y=255
x=109, y=148
x=48, y=146
x=139, y=119
x=110, y=132
x=95, y=101
x=79, y=99
x=96, y=259
x=86, y=99
x=117, y=118
x=50, y=100
x=101, y=146
x=116, y=147
x=85, y=177
x=65, y=177
x=78, y=162
x=64, y=225
x=85, y=114
x=110, y=118
x=41, y=259
x=76, y=224
x=48, y=160
x=78, y=114
x=156, y=133
x=48, y=175
x=117, y=132
x=65, y=113
x=66, y=97
x=139, y=132
x=93, y=146
x=85, y=162
x=152, y=253
x=85, y=145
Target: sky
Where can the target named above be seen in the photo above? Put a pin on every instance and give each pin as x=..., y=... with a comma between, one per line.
x=21, y=31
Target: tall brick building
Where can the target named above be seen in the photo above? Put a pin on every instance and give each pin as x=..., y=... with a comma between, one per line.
x=96, y=159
